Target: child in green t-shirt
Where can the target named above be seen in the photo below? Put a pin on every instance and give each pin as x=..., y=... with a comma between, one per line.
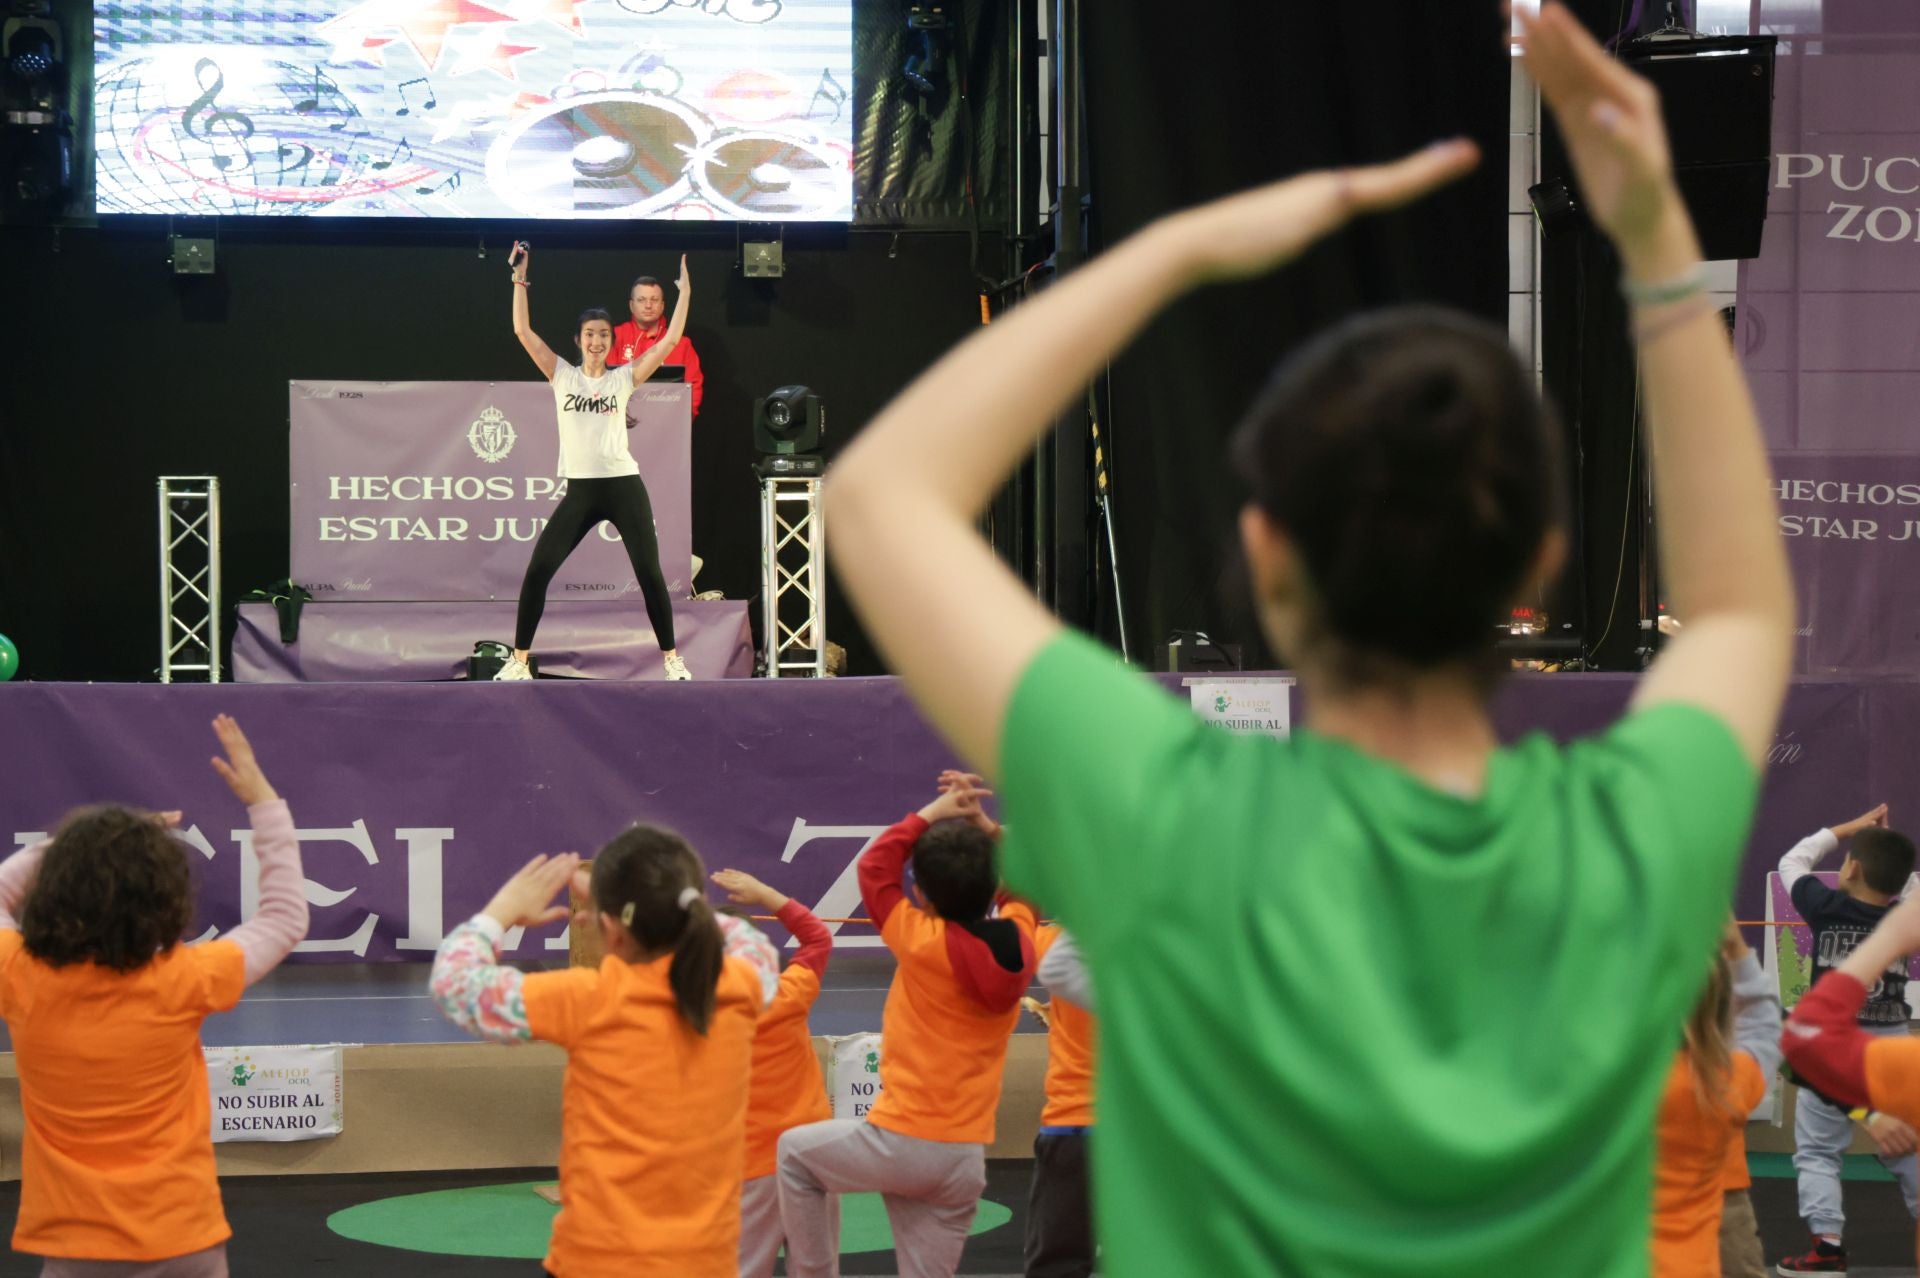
x=1385, y=997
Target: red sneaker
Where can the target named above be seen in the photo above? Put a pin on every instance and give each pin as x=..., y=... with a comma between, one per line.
x=1823, y=1258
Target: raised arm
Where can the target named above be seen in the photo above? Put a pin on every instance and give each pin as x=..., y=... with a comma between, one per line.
x=948, y=615
x=277, y=926
x=543, y=356
x=655, y=355
x=16, y=877
x=1720, y=551
x=1823, y=1039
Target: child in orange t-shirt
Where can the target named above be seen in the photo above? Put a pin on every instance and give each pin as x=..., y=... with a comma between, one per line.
x=1060, y=1206
x=104, y=1004
x=1720, y=1073
x=658, y=1037
x=787, y=1088
x=1823, y=1039
x=943, y=1048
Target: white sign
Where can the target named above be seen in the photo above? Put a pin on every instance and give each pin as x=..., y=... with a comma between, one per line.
x=274, y=1093
x=853, y=1079
x=1245, y=705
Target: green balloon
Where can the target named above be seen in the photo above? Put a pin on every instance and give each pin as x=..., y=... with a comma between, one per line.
x=9, y=659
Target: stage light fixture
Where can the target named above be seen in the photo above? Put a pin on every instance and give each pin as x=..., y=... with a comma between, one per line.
x=789, y=422
x=33, y=53
x=931, y=33
x=763, y=260
x=1555, y=206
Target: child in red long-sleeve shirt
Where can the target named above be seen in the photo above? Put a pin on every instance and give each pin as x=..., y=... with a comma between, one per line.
x=943, y=1048
x=786, y=1089
x=1823, y=1039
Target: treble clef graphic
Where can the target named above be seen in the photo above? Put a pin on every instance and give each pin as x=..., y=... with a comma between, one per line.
x=233, y=126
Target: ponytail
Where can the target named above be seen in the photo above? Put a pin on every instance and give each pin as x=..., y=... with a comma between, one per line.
x=695, y=971
x=653, y=883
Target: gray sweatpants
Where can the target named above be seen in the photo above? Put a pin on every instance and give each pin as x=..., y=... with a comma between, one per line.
x=210, y=1263
x=931, y=1189
x=1821, y=1134
x=760, y=1230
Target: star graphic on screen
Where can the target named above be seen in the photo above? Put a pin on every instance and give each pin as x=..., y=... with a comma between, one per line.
x=562, y=13
x=423, y=23
x=497, y=57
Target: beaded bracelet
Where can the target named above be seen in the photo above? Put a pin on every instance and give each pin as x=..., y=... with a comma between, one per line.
x=1661, y=292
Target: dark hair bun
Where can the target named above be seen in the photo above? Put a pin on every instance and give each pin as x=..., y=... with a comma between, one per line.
x=1409, y=458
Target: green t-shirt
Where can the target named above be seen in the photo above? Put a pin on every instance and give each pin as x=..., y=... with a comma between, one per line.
x=1353, y=1025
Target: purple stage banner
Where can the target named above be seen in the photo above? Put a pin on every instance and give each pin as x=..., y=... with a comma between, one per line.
x=424, y=642
x=1829, y=328
x=415, y=801
x=437, y=490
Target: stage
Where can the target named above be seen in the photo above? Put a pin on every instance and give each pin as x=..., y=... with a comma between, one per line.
x=603, y=638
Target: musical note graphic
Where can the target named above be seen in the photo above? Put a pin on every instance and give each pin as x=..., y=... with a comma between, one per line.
x=286, y=149
x=451, y=184
x=232, y=126
x=830, y=89
x=406, y=107
x=403, y=151
x=307, y=106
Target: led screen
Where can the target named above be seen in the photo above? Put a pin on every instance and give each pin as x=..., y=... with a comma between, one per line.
x=710, y=110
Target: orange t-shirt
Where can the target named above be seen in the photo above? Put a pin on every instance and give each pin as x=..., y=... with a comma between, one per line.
x=1690, y=1167
x=117, y=1160
x=1893, y=1080
x=942, y=1054
x=1070, y=1037
x=787, y=1088
x=653, y=1119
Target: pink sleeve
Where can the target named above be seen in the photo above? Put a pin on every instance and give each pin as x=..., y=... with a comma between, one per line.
x=473, y=990
x=16, y=876
x=281, y=920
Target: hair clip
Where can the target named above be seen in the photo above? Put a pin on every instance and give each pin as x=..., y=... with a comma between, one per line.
x=688, y=896
x=626, y=915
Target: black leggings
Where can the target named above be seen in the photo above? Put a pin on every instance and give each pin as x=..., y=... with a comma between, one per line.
x=621, y=501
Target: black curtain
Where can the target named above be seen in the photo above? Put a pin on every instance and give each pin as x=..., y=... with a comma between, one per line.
x=933, y=154
x=1211, y=98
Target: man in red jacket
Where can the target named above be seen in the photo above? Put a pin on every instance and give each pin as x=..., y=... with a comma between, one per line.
x=647, y=303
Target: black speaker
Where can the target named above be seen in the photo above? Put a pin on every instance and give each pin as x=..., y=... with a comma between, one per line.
x=1716, y=95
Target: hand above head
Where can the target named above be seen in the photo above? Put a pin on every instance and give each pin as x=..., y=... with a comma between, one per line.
x=970, y=788
x=743, y=889
x=1877, y=818
x=526, y=899
x=1610, y=119
x=240, y=770
x=1256, y=231
x=959, y=803
x=684, y=281
x=517, y=258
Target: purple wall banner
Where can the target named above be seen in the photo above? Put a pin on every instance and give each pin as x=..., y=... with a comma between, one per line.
x=1829, y=329
x=437, y=490
x=414, y=800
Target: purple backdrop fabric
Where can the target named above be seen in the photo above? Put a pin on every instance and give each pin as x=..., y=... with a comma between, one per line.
x=436, y=490
x=418, y=642
x=415, y=801
x=1829, y=329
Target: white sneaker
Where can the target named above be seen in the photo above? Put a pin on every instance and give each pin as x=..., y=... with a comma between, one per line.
x=677, y=671
x=511, y=669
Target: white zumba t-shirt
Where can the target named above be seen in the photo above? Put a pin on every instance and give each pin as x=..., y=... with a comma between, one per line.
x=593, y=421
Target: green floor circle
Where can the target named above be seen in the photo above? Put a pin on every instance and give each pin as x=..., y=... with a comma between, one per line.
x=511, y=1222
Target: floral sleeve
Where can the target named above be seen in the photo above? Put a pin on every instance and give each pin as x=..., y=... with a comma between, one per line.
x=473, y=990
